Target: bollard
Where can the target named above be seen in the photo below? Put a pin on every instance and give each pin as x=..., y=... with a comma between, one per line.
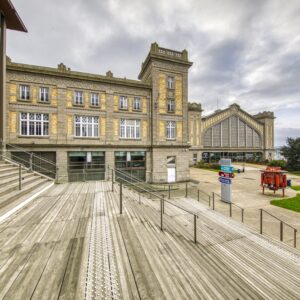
x=112, y=180
x=20, y=177
x=230, y=209
x=213, y=201
x=198, y=196
x=281, y=231
x=186, y=190
x=295, y=238
x=161, y=214
x=121, y=197
x=169, y=192
x=261, y=221
x=195, y=229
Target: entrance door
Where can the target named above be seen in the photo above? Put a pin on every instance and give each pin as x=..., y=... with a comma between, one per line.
x=171, y=174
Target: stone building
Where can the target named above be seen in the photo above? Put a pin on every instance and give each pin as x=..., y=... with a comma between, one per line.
x=85, y=121
x=230, y=133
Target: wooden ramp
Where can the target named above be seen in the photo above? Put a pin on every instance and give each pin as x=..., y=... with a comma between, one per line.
x=72, y=243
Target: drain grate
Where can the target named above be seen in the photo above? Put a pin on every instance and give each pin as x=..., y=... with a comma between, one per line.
x=102, y=276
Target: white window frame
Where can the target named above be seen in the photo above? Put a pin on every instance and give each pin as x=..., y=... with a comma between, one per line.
x=171, y=105
x=24, y=92
x=170, y=83
x=123, y=102
x=34, y=121
x=78, y=97
x=137, y=103
x=94, y=99
x=86, y=126
x=130, y=129
x=171, y=130
x=44, y=91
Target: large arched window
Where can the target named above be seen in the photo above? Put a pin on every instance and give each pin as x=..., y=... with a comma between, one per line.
x=232, y=133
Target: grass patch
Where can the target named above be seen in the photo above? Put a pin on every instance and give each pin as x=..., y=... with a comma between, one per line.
x=295, y=172
x=296, y=188
x=291, y=203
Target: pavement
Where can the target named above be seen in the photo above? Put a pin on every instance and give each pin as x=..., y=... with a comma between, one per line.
x=247, y=193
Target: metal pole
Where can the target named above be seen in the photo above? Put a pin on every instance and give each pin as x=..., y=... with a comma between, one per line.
x=195, y=229
x=213, y=200
x=281, y=231
x=139, y=197
x=30, y=162
x=121, y=198
x=198, y=196
x=169, y=192
x=186, y=190
x=230, y=210
x=261, y=221
x=209, y=201
x=242, y=215
x=112, y=180
x=161, y=214
x=20, y=177
x=163, y=202
x=295, y=238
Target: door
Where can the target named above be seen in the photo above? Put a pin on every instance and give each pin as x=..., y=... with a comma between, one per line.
x=171, y=174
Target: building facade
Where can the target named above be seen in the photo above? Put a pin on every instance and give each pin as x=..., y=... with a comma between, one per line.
x=85, y=121
x=230, y=133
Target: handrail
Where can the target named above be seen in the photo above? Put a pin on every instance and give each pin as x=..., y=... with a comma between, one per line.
x=278, y=219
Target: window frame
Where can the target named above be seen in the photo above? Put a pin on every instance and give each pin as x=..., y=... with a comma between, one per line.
x=27, y=92
x=48, y=94
x=125, y=99
x=130, y=131
x=173, y=104
x=76, y=93
x=92, y=99
x=44, y=124
x=139, y=101
x=171, y=79
x=170, y=129
x=87, y=126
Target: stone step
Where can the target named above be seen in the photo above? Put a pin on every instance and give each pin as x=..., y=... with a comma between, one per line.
x=14, y=178
x=8, y=168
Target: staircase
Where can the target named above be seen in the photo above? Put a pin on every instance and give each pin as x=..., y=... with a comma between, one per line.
x=10, y=194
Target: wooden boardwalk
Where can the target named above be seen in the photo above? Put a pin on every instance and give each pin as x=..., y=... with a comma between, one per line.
x=71, y=243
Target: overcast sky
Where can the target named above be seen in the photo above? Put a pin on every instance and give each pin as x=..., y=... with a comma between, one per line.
x=247, y=52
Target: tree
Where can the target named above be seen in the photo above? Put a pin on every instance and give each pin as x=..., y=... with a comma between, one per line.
x=292, y=153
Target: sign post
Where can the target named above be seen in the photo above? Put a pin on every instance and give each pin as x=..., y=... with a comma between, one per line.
x=225, y=178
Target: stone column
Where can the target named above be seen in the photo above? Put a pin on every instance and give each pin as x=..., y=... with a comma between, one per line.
x=62, y=165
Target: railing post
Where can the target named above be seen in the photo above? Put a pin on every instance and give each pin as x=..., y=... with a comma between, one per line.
x=198, y=195
x=112, y=180
x=281, y=231
x=163, y=202
x=121, y=197
x=295, y=238
x=169, y=196
x=186, y=190
x=209, y=200
x=242, y=215
x=230, y=209
x=161, y=214
x=195, y=229
x=30, y=162
x=213, y=201
x=20, y=177
x=261, y=221
x=139, y=197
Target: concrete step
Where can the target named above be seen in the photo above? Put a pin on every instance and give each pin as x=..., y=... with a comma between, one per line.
x=14, y=177
x=8, y=168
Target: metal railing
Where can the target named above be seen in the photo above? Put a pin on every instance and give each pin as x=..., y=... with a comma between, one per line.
x=29, y=161
x=281, y=228
x=155, y=195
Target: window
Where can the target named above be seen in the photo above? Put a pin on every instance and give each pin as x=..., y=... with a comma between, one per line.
x=130, y=129
x=171, y=105
x=137, y=103
x=94, y=99
x=123, y=104
x=24, y=92
x=78, y=98
x=34, y=124
x=171, y=126
x=44, y=94
x=86, y=126
x=170, y=83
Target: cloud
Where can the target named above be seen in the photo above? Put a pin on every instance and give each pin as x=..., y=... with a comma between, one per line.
x=246, y=52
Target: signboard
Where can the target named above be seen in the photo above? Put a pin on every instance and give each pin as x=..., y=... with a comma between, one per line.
x=227, y=169
x=227, y=175
x=89, y=157
x=225, y=180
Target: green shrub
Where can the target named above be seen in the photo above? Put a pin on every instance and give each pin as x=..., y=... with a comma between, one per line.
x=203, y=165
x=277, y=163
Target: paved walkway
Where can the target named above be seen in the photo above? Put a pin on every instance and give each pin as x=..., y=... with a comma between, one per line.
x=247, y=193
x=72, y=243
